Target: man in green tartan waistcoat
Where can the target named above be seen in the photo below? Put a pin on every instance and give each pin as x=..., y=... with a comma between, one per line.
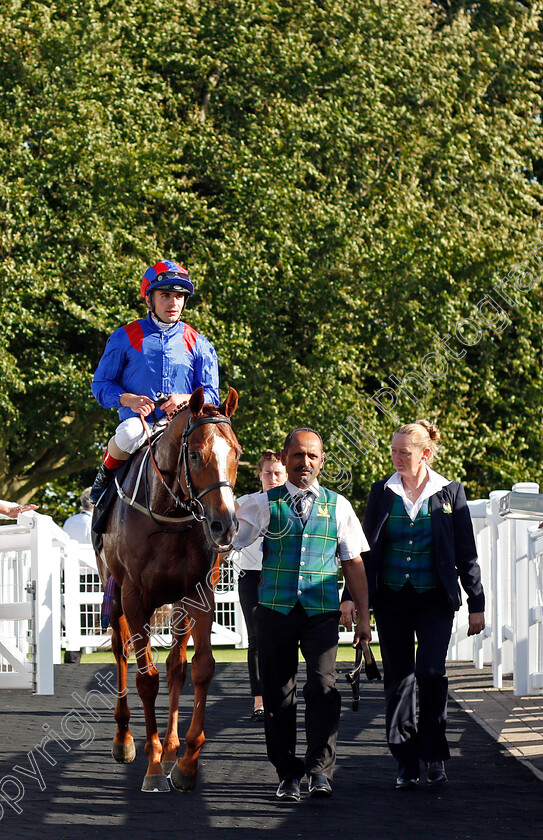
x=306, y=529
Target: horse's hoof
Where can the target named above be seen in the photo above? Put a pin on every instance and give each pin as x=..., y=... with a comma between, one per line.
x=155, y=784
x=181, y=782
x=124, y=753
x=168, y=766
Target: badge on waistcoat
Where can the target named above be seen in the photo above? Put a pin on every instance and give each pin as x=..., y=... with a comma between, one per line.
x=322, y=510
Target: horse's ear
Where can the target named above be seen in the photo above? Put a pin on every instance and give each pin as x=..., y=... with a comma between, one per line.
x=230, y=404
x=196, y=402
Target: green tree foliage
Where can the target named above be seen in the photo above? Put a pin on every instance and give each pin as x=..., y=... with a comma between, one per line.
x=343, y=178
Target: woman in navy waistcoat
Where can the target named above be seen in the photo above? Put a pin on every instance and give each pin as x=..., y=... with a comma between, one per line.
x=421, y=541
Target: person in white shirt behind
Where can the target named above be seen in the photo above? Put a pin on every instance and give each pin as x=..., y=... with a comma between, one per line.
x=271, y=473
x=78, y=526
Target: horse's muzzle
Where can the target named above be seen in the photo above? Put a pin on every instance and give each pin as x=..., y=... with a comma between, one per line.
x=221, y=532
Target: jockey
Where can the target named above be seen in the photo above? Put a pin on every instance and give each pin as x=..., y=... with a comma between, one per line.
x=154, y=356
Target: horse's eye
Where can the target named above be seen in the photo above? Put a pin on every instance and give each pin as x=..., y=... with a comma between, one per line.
x=193, y=456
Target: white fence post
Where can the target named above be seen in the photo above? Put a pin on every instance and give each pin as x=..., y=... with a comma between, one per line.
x=520, y=597
x=535, y=610
x=30, y=574
x=461, y=646
x=45, y=565
x=498, y=593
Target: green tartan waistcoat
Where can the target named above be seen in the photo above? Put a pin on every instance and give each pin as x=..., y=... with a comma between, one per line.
x=409, y=554
x=299, y=562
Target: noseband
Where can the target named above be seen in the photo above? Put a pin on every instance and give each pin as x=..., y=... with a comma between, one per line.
x=196, y=506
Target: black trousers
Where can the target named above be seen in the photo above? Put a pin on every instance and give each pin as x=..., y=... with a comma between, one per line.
x=278, y=639
x=401, y=616
x=248, y=582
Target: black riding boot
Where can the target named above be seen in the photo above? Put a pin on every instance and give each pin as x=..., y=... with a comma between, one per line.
x=101, y=483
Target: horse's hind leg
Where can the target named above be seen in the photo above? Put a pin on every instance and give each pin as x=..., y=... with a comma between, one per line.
x=184, y=774
x=124, y=749
x=176, y=670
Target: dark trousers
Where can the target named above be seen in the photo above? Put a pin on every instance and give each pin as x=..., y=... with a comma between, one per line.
x=278, y=639
x=401, y=616
x=248, y=582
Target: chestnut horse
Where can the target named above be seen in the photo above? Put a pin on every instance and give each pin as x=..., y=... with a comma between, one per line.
x=173, y=517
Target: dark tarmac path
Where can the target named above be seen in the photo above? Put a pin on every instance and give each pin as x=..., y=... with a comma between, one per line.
x=84, y=794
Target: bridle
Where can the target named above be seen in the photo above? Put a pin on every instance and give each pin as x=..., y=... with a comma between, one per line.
x=196, y=506
x=193, y=505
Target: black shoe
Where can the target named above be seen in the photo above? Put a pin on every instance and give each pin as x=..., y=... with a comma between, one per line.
x=435, y=773
x=258, y=715
x=289, y=789
x=319, y=785
x=408, y=778
x=101, y=483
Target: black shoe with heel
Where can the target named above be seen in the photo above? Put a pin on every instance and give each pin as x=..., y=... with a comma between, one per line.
x=408, y=777
x=289, y=789
x=319, y=785
x=435, y=773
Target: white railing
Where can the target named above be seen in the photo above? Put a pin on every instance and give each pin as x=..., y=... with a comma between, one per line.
x=530, y=677
x=510, y=550
x=51, y=598
x=29, y=603
x=34, y=625
x=83, y=601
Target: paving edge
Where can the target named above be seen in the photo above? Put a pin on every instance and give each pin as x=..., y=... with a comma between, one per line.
x=506, y=745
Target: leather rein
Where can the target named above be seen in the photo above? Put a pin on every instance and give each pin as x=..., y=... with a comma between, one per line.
x=193, y=505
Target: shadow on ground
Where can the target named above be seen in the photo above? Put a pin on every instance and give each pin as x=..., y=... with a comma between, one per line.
x=74, y=789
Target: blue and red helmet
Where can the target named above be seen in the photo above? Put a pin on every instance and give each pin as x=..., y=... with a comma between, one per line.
x=166, y=274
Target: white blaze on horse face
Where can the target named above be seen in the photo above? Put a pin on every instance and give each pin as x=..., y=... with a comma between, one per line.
x=220, y=449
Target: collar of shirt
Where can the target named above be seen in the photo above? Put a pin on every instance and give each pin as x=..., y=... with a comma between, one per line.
x=435, y=482
x=294, y=491
x=253, y=514
x=162, y=325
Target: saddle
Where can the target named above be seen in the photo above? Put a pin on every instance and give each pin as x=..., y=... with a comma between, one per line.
x=102, y=507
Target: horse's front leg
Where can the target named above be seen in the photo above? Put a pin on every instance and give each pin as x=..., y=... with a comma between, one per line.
x=176, y=670
x=185, y=772
x=147, y=685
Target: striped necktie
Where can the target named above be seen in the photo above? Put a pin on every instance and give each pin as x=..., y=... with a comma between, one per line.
x=302, y=505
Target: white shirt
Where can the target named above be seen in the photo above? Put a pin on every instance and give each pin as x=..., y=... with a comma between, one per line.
x=78, y=526
x=249, y=558
x=254, y=518
x=435, y=482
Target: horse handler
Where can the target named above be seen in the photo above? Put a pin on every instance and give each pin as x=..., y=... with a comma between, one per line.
x=157, y=355
x=305, y=527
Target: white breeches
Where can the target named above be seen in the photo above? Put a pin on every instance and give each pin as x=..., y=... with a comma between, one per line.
x=130, y=434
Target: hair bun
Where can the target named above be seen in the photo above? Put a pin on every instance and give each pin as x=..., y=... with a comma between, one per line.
x=433, y=431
